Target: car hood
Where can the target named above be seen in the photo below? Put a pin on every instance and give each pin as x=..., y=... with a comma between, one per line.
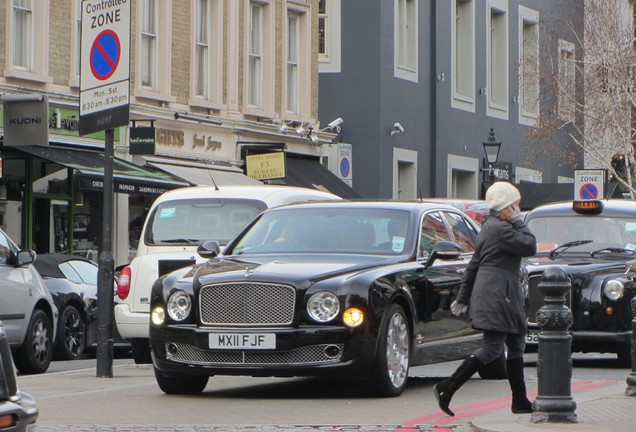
x=575, y=264
x=288, y=268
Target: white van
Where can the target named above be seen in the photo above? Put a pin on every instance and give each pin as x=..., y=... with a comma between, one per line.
x=177, y=222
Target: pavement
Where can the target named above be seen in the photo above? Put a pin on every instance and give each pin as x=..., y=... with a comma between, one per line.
x=77, y=401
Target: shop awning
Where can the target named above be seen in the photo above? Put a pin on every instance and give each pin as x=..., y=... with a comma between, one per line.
x=127, y=177
x=202, y=174
x=309, y=172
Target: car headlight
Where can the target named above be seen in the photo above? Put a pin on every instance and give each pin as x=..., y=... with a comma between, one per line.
x=323, y=306
x=179, y=306
x=614, y=289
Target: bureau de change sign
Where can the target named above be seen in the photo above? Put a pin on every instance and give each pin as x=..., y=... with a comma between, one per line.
x=104, y=65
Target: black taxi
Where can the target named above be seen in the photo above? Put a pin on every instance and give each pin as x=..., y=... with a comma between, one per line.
x=595, y=242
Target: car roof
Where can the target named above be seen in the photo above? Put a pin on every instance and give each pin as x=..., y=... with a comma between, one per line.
x=611, y=207
x=48, y=264
x=378, y=204
x=272, y=195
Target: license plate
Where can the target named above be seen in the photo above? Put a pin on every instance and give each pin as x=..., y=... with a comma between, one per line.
x=532, y=338
x=243, y=341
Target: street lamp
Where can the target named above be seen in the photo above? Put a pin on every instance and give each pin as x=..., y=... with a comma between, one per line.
x=491, y=148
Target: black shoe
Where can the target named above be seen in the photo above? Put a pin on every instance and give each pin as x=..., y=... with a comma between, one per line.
x=445, y=390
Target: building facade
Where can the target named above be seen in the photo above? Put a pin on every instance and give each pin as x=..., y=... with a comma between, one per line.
x=420, y=85
x=224, y=83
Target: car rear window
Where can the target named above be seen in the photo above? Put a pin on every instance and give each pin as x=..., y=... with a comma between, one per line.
x=188, y=222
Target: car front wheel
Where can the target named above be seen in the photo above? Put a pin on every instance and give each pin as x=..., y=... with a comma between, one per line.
x=71, y=335
x=391, y=366
x=35, y=354
x=180, y=384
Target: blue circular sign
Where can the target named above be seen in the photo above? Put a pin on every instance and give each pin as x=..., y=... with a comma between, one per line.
x=105, y=54
x=345, y=167
x=588, y=191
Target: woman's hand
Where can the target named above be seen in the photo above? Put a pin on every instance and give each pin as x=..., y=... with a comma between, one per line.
x=458, y=308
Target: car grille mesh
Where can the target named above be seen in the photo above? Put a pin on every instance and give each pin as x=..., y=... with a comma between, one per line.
x=313, y=354
x=249, y=304
x=536, y=298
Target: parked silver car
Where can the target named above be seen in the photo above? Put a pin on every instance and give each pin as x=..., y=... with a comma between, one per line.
x=17, y=408
x=26, y=307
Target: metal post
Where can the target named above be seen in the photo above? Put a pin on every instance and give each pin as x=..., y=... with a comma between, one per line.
x=631, y=379
x=105, y=294
x=554, y=402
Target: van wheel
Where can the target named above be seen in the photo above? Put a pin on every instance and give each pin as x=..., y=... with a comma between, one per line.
x=174, y=383
x=36, y=352
x=141, y=351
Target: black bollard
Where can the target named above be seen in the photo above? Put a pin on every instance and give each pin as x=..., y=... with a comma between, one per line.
x=631, y=379
x=554, y=402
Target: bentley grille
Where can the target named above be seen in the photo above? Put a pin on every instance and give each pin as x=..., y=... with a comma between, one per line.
x=249, y=304
x=313, y=354
x=536, y=299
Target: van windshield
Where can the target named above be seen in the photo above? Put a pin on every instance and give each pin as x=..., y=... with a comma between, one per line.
x=189, y=222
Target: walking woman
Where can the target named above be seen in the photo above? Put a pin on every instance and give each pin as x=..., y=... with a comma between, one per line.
x=491, y=287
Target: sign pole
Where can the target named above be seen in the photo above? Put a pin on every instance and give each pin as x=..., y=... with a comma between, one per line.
x=105, y=282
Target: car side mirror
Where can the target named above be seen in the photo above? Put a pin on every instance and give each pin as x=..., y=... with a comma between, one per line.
x=209, y=249
x=444, y=250
x=25, y=257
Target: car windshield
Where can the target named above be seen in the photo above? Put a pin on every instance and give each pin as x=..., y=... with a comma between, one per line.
x=327, y=230
x=192, y=221
x=603, y=232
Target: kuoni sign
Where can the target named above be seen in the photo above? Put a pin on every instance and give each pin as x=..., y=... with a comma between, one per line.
x=266, y=165
x=588, y=184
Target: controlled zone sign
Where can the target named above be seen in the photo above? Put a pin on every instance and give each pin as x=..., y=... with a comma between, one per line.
x=104, y=65
x=588, y=184
x=345, y=163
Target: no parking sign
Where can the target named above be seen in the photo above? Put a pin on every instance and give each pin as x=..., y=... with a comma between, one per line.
x=588, y=184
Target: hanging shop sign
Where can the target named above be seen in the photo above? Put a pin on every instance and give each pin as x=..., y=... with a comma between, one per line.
x=142, y=140
x=25, y=120
x=265, y=166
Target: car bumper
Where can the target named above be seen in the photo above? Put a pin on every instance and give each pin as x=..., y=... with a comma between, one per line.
x=131, y=324
x=312, y=351
x=585, y=337
x=23, y=411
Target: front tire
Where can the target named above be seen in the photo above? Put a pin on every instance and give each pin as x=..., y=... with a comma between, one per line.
x=35, y=354
x=141, y=350
x=71, y=335
x=391, y=366
x=180, y=384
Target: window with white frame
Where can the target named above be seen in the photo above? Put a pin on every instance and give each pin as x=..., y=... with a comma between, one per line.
x=154, y=76
x=329, y=36
x=27, y=47
x=207, y=61
x=75, y=43
x=567, y=83
x=498, y=59
x=149, y=45
x=528, y=65
x=255, y=67
x=463, y=55
x=406, y=38
x=293, y=59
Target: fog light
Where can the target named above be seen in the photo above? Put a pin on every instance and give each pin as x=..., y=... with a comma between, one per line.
x=158, y=315
x=353, y=317
x=332, y=351
x=172, y=349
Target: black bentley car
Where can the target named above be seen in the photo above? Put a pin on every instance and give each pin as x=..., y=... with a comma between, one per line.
x=360, y=290
x=595, y=242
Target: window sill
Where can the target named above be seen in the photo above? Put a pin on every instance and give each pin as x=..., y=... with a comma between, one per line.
x=149, y=94
x=27, y=76
x=207, y=104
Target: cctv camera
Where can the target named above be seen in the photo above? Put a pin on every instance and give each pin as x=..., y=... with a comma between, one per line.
x=398, y=127
x=334, y=124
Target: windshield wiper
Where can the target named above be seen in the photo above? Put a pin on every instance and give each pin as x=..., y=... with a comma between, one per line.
x=554, y=252
x=181, y=240
x=611, y=250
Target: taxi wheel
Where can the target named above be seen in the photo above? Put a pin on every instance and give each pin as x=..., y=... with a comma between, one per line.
x=391, y=366
x=175, y=383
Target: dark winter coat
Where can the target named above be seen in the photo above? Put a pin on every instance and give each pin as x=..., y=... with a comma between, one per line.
x=491, y=283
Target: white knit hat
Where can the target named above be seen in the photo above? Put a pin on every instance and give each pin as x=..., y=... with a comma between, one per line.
x=501, y=195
